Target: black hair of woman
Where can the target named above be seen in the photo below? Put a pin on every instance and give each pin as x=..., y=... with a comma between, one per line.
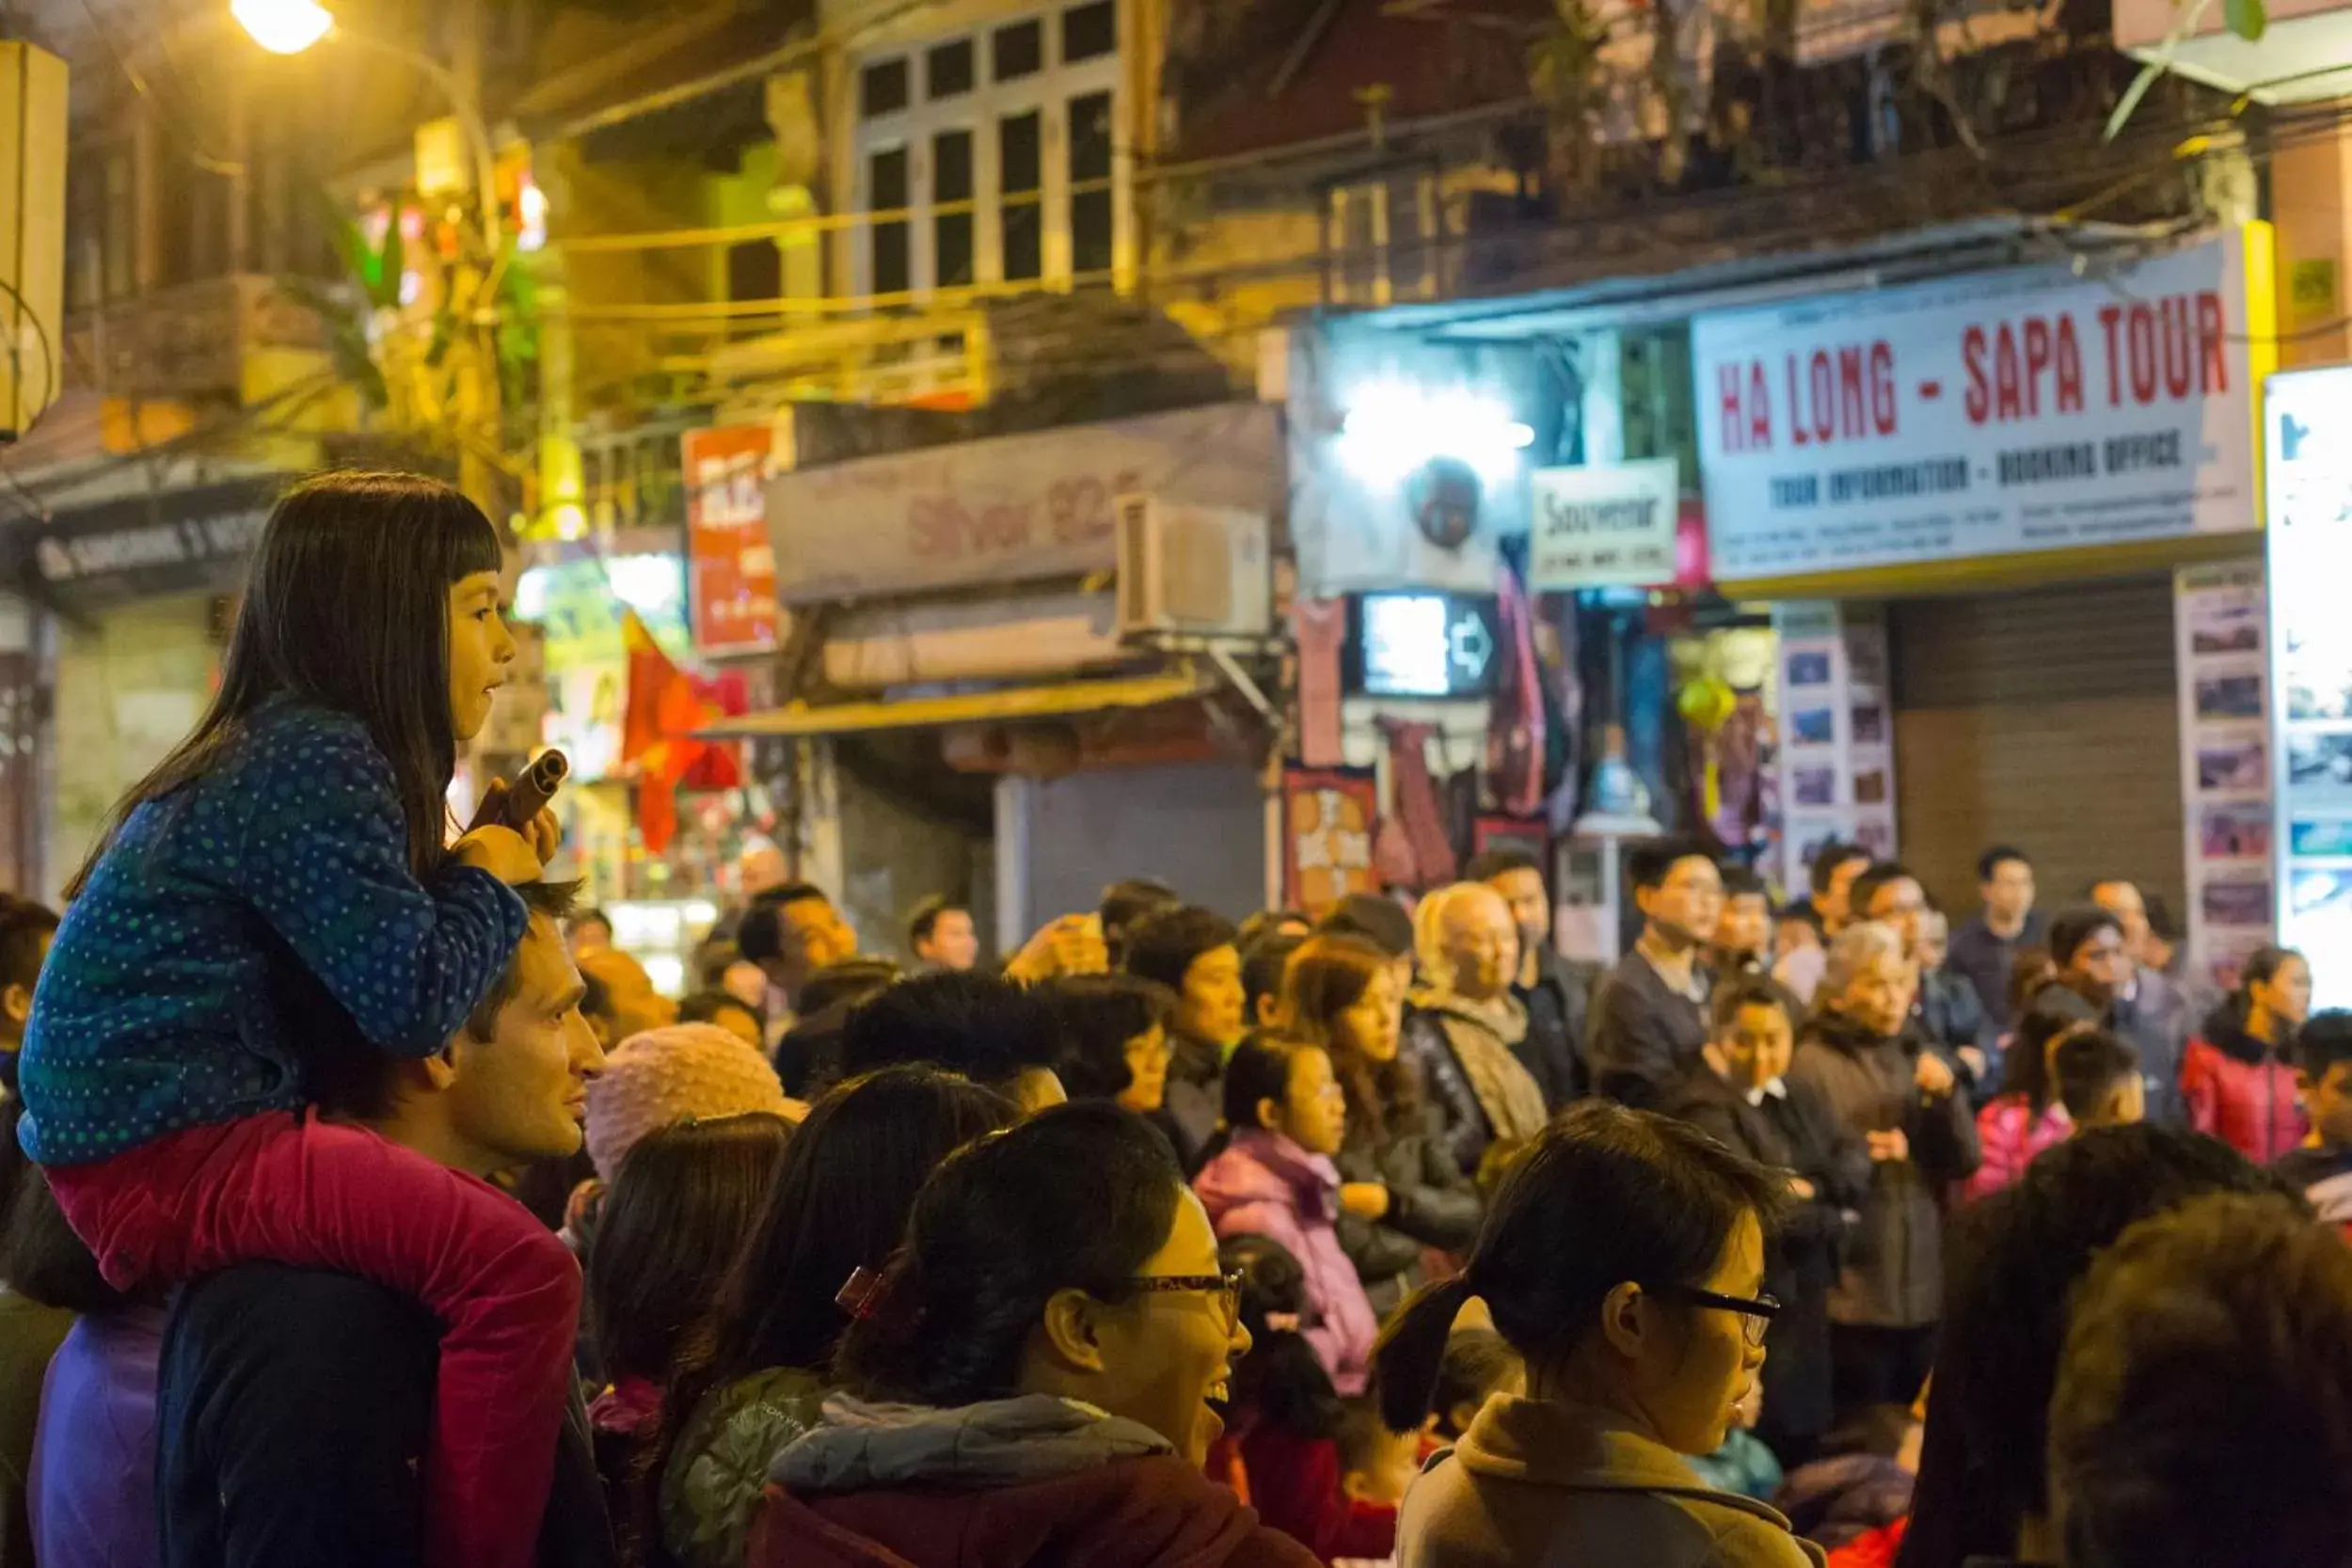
x=1603, y=1197
x=673, y=1219
x=1075, y=1198
x=838, y=1203
x=1281, y=1379
x=346, y=605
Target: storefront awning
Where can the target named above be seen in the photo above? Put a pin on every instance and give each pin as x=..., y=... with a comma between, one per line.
x=1061, y=700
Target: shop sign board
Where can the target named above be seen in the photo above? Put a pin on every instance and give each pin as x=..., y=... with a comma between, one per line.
x=1990, y=415
x=1011, y=508
x=731, y=566
x=1607, y=525
x=181, y=542
x=2307, y=705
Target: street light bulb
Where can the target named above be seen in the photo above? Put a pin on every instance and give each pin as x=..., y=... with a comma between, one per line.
x=284, y=27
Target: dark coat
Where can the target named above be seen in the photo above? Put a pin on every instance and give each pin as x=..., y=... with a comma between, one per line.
x=1797, y=1132
x=1893, y=1272
x=1458, y=1124
x=1646, y=1036
x=1559, y=1011
x=1431, y=1204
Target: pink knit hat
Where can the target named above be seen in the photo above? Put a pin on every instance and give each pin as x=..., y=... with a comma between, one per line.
x=686, y=1071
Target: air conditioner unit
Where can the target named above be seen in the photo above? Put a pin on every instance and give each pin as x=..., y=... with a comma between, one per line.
x=1199, y=571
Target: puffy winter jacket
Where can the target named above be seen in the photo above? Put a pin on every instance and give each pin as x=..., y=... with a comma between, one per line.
x=2009, y=1135
x=2239, y=1089
x=1263, y=1184
x=1011, y=1483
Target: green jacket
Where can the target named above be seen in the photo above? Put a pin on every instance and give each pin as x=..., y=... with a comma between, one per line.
x=711, y=1490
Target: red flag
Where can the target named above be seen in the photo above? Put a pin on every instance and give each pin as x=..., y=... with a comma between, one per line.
x=665, y=706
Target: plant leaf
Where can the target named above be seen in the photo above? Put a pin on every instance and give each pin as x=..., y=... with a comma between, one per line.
x=2248, y=19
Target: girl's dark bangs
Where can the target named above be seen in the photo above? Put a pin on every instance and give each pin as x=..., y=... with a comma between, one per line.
x=475, y=548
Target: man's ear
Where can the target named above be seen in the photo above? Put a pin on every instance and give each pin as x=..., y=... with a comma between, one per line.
x=17, y=1003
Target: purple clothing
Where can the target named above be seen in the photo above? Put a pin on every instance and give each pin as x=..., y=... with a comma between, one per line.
x=1265, y=1185
x=92, y=1487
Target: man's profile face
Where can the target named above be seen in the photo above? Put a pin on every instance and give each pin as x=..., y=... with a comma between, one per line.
x=522, y=1095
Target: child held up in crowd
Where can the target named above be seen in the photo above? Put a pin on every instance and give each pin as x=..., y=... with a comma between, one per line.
x=298, y=840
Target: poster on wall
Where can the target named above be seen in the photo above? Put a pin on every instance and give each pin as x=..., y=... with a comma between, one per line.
x=2308, y=482
x=1604, y=525
x=2219, y=616
x=1986, y=415
x=731, y=564
x=1327, y=819
x=1836, y=753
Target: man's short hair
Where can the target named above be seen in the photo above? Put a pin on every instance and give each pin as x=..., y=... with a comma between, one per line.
x=1649, y=864
x=2324, y=1041
x=1866, y=887
x=1740, y=882
x=1128, y=900
x=2087, y=1065
x=343, y=1072
x=1487, y=866
x=924, y=919
x=1379, y=921
x=25, y=928
x=981, y=1025
x=1163, y=946
x=1828, y=857
x=2000, y=855
x=851, y=979
x=2076, y=926
x=553, y=901
x=2203, y=1411
x=1742, y=992
x=705, y=1007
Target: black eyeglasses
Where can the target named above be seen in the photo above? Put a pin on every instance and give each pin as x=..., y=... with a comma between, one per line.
x=1755, y=1316
x=1225, y=1288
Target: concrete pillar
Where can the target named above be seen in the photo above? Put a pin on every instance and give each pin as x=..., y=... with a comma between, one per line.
x=2310, y=205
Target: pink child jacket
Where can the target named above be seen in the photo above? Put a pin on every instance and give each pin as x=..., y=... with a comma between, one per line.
x=1263, y=1184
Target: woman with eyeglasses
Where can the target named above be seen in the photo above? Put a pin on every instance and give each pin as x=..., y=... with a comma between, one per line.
x=1031, y=1380
x=1623, y=1259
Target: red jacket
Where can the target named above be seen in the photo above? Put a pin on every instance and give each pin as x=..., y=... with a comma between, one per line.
x=1294, y=1484
x=1155, y=1512
x=2239, y=1090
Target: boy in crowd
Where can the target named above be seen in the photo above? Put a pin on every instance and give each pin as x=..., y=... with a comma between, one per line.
x=2323, y=1166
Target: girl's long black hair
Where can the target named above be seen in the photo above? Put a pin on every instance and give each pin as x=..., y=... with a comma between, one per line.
x=346, y=605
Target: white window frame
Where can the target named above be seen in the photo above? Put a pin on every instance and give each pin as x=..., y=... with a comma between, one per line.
x=1049, y=91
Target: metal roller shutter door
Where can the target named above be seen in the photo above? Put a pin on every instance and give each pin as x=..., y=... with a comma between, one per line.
x=2048, y=719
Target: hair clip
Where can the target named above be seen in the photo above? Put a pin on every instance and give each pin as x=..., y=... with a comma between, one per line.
x=1283, y=1322
x=862, y=1296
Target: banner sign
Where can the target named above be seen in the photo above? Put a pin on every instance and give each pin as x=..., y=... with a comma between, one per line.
x=1010, y=509
x=2220, y=622
x=1329, y=814
x=1989, y=414
x=731, y=565
x=1605, y=525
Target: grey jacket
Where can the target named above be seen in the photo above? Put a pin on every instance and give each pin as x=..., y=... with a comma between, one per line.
x=1893, y=1273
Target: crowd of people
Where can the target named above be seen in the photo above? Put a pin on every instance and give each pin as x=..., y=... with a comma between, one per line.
x=363, y=1204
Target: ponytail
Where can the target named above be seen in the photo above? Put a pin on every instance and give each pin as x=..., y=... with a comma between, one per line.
x=1411, y=1351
